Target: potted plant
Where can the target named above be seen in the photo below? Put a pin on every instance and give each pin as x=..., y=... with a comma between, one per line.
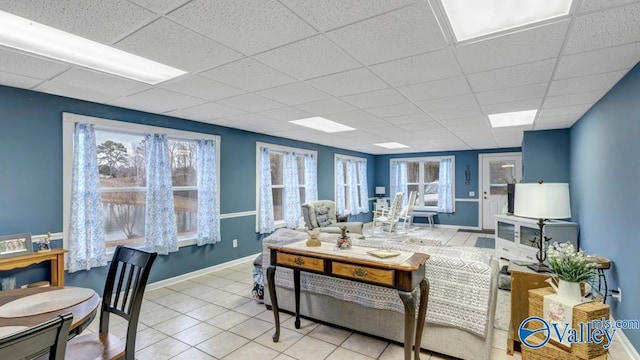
x=571, y=268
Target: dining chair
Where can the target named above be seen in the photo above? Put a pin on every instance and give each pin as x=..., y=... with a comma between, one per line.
x=389, y=217
x=45, y=341
x=406, y=215
x=122, y=296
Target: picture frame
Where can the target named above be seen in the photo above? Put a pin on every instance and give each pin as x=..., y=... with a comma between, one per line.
x=15, y=245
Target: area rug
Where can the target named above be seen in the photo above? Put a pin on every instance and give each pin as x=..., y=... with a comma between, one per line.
x=485, y=242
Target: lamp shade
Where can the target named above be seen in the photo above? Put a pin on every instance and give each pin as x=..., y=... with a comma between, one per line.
x=380, y=190
x=542, y=201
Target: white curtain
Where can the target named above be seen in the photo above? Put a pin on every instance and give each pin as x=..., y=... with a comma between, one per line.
x=208, y=209
x=352, y=186
x=340, y=201
x=86, y=229
x=399, y=178
x=265, y=211
x=364, y=188
x=291, y=206
x=161, y=232
x=445, y=188
x=310, y=178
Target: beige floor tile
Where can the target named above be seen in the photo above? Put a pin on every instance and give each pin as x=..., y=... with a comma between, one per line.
x=344, y=354
x=222, y=344
x=212, y=295
x=189, y=304
x=252, y=351
x=157, y=316
x=197, y=290
x=252, y=328
x=157, y=293
x=306, y=326
x=197, y=334
x=181, y=286
x=176, y=324
x=164, y=349
x=330, y=334
x=231, y=302
x=251, y=308
x=206, y=312
x=267, y=315
x=287, y=338
x=227, y=320
x=235, y=287
x=283, y=357
x=223, y=272
x=309, y=348
x=366, y=345
x=171, y=299
x=394, y=351
x=193, y=354
x=147, y=337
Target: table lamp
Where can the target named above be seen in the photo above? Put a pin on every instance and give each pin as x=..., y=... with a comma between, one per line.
x=380, y=191
x=542, y=201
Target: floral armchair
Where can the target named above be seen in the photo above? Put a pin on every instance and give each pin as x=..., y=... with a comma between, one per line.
x=322, y=214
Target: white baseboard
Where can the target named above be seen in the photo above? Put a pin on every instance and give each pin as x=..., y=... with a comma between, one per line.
x=200, y=272
x=628, y=347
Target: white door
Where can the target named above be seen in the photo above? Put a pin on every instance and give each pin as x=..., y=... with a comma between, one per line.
x=497, y=171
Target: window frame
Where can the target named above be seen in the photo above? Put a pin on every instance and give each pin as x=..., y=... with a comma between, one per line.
x=421, y=184
x=278, y=149
x=68, y=125
x=364, y=203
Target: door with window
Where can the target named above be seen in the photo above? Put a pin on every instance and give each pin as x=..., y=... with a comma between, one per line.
x=498, y=170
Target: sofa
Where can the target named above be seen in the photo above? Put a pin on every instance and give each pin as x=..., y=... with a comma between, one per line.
x=321, y=214
x=462, y=288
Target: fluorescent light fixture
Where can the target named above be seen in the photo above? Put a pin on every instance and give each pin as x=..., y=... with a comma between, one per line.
x=322, y=124
x=471, y=19
x=26, y=35
x=392, y=145
x=516, y=118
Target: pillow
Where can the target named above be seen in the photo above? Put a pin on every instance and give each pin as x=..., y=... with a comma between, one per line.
x=431, y=188
x=322, y=216
x=404, y=211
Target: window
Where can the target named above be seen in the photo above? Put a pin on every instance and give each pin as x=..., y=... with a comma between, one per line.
x=121, y=166
x=352, y=193
x=286, y=185
x=431, y=177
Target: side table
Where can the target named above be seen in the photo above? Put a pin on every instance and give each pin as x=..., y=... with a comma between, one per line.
x=55, y=256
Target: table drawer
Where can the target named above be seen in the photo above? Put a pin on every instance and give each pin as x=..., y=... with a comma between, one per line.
x=363, y=273
x=302, y=262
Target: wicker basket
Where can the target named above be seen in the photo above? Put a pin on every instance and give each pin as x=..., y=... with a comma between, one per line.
x=581, y=313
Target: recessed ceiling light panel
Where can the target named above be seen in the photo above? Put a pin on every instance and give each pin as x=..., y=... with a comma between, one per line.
x=472, y=19
x=517, y=118
x=26, y=35
x=322, y=124
x=392, y=145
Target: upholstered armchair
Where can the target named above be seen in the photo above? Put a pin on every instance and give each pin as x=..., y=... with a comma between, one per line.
x=322, y=214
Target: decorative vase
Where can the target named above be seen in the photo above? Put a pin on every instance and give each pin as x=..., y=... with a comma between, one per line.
x=567, y=290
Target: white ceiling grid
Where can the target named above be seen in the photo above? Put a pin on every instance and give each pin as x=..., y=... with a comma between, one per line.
x=390, y=69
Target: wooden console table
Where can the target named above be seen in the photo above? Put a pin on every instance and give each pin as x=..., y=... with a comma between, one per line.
x=404, y=277
x=56, y=256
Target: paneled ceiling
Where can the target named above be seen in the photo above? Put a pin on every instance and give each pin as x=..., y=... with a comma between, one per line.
x=390, y=69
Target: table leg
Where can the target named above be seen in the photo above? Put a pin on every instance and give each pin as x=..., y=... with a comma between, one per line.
x=422, y=312
x=271, y=273
x=409, y=301
x=55, y=275
x=296, y=290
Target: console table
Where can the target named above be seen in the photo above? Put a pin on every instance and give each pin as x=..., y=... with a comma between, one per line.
x=56, y=256
x=404, y=276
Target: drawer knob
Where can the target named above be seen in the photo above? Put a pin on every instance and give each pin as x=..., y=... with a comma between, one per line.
x=360, y=272
x=298, y=261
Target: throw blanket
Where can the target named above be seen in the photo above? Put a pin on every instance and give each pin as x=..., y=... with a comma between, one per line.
x=459, y=278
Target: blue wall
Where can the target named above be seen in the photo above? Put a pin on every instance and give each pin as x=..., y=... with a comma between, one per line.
x=31, y=179
x=605, y=173
x=466, y=213
x=545, y=155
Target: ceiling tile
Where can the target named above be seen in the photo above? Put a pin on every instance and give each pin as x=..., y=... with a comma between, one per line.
x=250, y=103
x=598, y=61
x=515, y=48
x=62, y=89
x=202, y=87
x=286, y=114
x=448, y=103
x=576, y=110
x=294, y=94
x=358, y=119
x=103, y=21
x=520, y=105
x=436, y=89
x=308, y=58
x=426, y=67
x=157, y=100
x=375, y=98
x=405, y=32
x=249, y=26
x=590, y=5
x=249, y=75
x=534, y=91
x=585, y=83
x=206, y=111
x=428, y=124
x=174, y=45
x=31, y=66
x=101, y=82
x=348, y=82
x=395, y=110
x=161, y=6
x=456, y=113
x=604, y=29
x=512, y=76
x=409, y=119
x=19, y=81
x=329, y=106
x=589, y=97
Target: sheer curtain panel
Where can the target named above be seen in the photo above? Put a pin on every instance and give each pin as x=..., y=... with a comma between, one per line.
x=310, y=178
x=445, y=188
x=340, y=201
x=86, y=229
x=352, y=185
x=399, y=178
x=265, y=210
x=291, y=208
x=364, y=188
x=208, y=209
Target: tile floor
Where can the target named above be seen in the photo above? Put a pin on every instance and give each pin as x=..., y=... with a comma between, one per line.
x=214, y=317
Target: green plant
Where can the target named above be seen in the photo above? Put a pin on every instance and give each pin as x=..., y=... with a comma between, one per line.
x=568, y=264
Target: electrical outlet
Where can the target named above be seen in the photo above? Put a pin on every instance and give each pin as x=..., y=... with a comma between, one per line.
x=472, y=193
x=235, y=243
x=617, y=294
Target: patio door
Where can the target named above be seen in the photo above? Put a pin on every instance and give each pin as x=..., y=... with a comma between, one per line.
x=498, y=170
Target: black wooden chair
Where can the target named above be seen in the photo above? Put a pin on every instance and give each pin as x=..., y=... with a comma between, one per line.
x=46, y=341
x=122, y=296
